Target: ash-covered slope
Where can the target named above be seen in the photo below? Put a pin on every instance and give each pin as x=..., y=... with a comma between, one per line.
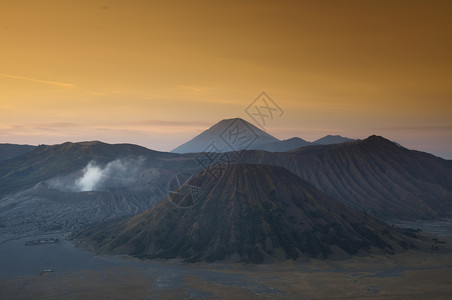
x=374, y=175
x=252, y=213
x=67, y=186
x=57, y=206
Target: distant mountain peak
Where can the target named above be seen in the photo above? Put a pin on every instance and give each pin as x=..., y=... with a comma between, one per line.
x=226, y=136
x=379, y=140
x=332, y=139
x=295, y=139
x=233, y=119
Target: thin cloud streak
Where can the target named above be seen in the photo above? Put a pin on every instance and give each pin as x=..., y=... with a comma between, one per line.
x=57, y=83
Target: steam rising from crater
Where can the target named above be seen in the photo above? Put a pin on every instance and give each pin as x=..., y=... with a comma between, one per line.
x=91, y=178
x=94, y=177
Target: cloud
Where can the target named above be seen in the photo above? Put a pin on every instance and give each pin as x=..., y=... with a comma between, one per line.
x=57, y=83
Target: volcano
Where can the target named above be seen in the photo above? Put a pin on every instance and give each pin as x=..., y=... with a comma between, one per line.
x=227, y=135
x=248, y=213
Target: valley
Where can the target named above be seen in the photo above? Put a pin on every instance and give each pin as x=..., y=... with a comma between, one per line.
x=77, y=273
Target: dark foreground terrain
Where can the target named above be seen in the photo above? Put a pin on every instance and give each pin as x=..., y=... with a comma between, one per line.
x=73, y=273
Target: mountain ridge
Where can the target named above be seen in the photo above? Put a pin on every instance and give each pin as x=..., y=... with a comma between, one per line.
x=217, y=138
x=332, y=139
x=284, y=145
x=373, y=174
x=9, y=151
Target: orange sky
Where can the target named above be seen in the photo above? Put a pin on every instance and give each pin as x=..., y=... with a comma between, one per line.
x=157, y=73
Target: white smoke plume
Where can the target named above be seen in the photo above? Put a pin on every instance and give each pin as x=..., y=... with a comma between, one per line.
x=94, y=177
x=115, y=174
x=91, y=177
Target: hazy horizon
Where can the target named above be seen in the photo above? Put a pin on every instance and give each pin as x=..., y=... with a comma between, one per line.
x=151, y=147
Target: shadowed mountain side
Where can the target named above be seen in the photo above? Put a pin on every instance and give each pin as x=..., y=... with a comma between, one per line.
x=373, y=175
x=8, y=151
x=252, y=213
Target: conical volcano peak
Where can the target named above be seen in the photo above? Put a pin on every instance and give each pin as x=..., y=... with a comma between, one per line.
x=226, y=136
